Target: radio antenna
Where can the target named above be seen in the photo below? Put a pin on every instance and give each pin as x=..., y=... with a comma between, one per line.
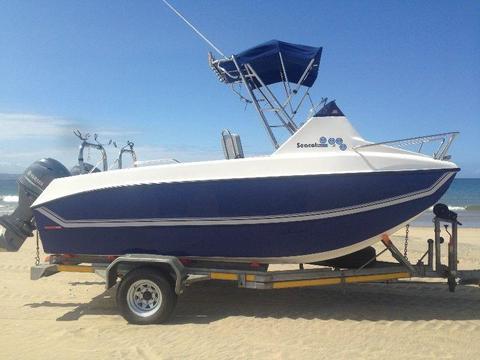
x=194, y=28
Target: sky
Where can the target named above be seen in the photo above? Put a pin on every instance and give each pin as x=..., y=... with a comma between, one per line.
x=132, y=70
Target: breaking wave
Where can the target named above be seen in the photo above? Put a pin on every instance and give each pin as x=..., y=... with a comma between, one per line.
x=9, y=198
x=462, y=208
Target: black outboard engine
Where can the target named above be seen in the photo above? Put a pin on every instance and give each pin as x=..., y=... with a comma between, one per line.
x=19, y=225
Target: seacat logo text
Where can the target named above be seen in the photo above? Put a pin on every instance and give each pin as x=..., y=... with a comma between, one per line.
x=323, y=142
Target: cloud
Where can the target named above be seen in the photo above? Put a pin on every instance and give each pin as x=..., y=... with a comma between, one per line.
x=23, y=125
x=15, y=158
x=25, y=138
x=20, y=125
x=117, y=133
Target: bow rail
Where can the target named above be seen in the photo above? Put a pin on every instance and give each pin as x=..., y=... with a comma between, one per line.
x=441, y=152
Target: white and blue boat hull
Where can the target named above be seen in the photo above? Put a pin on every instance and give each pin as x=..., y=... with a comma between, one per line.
x=304, y=203
x=270, y=219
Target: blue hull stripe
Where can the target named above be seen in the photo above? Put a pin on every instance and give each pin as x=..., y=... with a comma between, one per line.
x=324, y=214
x=233, y=198
x=308, y=216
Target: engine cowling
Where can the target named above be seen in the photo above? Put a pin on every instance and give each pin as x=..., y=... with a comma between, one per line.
x=16, y=227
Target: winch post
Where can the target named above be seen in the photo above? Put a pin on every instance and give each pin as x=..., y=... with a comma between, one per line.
x=452, y=250
x=450, y=271
x=438, y=259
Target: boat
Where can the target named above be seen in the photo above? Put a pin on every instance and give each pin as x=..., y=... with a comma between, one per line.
x=323, y=193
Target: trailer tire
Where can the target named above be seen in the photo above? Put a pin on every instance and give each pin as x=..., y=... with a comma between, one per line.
x=146, y=296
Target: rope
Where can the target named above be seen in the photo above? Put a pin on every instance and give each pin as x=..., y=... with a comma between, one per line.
x=194, y=28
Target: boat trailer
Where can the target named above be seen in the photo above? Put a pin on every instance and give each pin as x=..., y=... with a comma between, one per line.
x=149, y=284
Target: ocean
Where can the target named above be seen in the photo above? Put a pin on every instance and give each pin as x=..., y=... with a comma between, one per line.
x=463, y=197
x=8, y=193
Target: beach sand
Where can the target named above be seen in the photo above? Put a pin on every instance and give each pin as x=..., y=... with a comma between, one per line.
x=70, y=316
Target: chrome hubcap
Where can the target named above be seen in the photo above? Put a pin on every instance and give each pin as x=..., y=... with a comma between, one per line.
x=144, y=298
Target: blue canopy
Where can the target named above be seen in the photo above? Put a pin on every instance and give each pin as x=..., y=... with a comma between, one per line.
x=265, y=60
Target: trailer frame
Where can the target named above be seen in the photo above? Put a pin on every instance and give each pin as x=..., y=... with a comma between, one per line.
x=182, y=272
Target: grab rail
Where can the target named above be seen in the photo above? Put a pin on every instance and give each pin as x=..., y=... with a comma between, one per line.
x=128, y=148
x=85, y=144
x=441, y=152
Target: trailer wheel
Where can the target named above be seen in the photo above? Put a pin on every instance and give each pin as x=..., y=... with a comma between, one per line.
x=145, y=296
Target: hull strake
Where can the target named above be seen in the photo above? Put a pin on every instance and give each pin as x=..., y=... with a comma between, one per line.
x=317, y=235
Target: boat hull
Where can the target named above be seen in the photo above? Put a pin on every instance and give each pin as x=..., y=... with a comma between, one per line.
x=274, y=219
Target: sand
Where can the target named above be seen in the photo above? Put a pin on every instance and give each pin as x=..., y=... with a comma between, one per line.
x=71, y=316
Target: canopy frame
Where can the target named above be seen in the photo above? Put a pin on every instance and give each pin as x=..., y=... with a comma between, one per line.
x=261, y=95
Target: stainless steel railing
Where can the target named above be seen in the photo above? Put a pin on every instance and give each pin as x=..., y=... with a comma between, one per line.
x=441, y=153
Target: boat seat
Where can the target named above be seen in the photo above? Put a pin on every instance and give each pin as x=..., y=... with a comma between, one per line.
x=232, y=145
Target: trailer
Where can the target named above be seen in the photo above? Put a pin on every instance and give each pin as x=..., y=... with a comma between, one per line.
x=149, y=285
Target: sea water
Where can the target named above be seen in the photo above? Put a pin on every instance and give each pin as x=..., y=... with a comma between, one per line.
x=8, y=193
x=463, y=197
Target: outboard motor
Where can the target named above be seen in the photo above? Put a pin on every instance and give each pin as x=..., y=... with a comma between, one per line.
x=19, y=225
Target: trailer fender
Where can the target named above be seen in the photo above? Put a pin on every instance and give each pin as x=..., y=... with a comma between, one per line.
x=126, y=263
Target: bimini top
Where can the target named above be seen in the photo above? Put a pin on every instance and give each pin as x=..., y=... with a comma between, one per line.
x=300, y=64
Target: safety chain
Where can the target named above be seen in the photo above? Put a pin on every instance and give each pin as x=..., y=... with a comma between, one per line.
x=37, y=254
x=405, y=248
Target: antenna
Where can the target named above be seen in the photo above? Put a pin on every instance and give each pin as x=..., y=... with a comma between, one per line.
x=194, y=28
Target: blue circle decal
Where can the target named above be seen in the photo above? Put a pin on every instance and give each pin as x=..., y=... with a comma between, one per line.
x=343, y=147
x=339, y=141
x=323, y=140
x=331, y=141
